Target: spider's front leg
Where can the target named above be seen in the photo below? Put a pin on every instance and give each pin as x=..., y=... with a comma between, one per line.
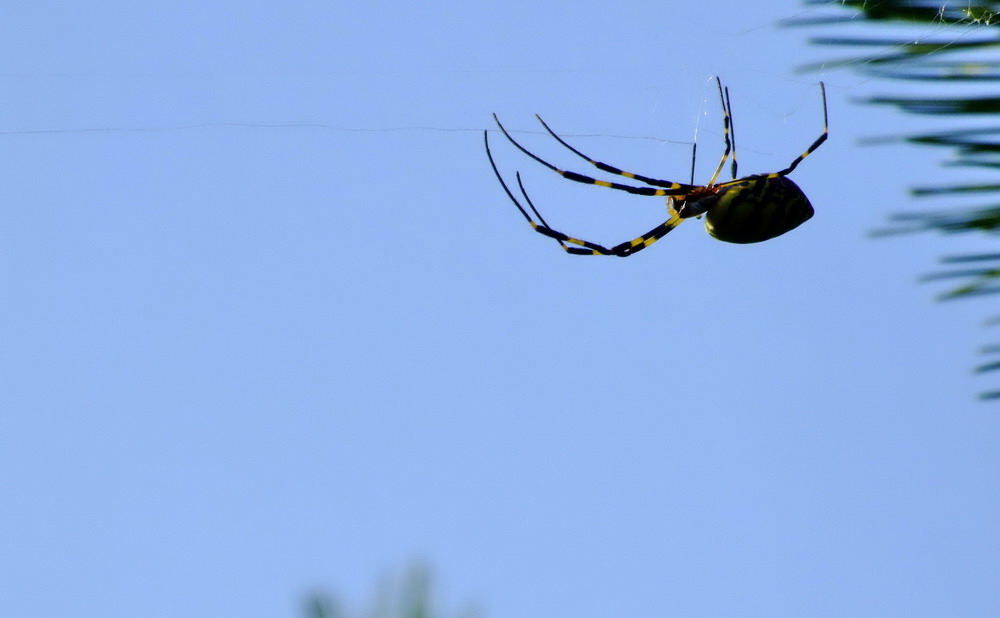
x=584, y=247
x=576, y=246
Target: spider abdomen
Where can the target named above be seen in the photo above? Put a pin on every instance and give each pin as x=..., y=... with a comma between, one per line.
x=757, y=208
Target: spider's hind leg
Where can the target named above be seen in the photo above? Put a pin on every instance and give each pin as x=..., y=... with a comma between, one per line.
x=584, y=247
x=816, y=144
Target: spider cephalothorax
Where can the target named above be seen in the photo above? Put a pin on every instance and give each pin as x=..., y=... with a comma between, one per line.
x=742, y=210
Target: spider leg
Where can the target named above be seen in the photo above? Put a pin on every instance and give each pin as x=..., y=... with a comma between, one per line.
x=674, y=188
x=694, y=157
x=604, y=167
x=732, y=131
x=636, y=245
x=581, y=247
x=815, y=145
x=535, y=226
x=726, y=123
x=584, y=247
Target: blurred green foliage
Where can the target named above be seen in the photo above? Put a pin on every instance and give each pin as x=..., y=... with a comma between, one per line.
x=407, y=596
x=956, y=45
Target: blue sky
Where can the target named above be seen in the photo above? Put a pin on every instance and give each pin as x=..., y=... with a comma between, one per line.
x=270, y=325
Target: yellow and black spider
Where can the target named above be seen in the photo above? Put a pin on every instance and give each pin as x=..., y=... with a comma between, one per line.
x=743, y=210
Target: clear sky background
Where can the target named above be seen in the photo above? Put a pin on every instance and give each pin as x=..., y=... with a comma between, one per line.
x=269, y=324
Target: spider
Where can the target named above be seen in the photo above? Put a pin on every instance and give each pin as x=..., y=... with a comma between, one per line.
x=751, y=209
